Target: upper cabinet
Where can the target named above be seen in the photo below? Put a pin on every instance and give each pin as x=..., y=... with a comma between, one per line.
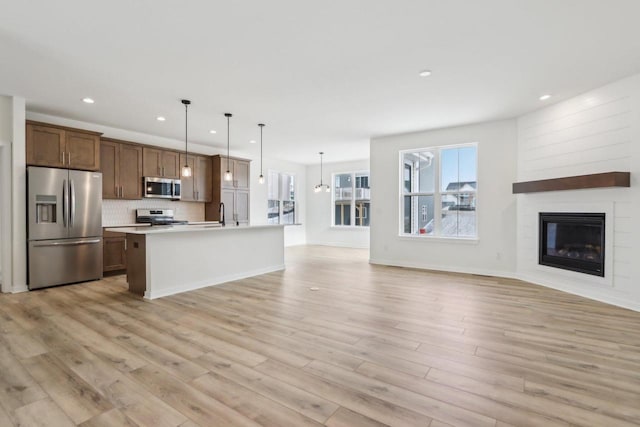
x=197, y=187
x=121, y=170
x=57, y=146
x=233, y=194
x=160, y=163
x=239, y=169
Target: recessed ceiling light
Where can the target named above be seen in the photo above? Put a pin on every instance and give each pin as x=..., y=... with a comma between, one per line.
x=212, y=131
x=424, y=73
x=88, y=100
x=160, y=119
x=253, y=141
x=545, y=97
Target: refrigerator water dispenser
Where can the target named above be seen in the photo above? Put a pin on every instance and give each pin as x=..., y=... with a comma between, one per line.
x=45, y=209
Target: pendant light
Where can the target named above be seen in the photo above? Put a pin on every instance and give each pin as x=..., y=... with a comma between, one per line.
x=318, y=188
x=261, y=178
x=228, y=176
x=186, y=169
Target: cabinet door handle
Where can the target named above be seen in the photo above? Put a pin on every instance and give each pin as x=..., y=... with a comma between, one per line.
x=159, y=171
x=121, y=192
x=62, y=157
x=69, y=154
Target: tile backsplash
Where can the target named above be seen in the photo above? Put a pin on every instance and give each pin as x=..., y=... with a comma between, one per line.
x=119, y=212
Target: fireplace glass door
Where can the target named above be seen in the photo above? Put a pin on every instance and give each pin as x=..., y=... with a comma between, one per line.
x=572, y=241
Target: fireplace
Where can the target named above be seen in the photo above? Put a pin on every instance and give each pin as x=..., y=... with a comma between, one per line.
x=572, y=241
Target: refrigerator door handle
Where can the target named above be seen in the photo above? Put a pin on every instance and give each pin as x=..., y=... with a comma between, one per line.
x=64, y=202
x=75, y=242
x=72, y=194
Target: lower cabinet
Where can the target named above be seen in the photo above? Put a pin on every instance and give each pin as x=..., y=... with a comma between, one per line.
x=114, y=252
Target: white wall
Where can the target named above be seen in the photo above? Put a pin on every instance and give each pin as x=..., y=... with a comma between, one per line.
x=319, y=208
x=6, y=135
x=493, y=252
x=293, y=234
x=598, y=131
x=13, y=244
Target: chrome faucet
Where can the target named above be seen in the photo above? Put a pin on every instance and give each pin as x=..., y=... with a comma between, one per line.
x=221, y=213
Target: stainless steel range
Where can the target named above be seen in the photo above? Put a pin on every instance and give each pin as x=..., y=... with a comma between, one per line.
x=157, y=217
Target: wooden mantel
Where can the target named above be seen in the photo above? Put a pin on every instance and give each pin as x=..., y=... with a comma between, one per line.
x=596, y=180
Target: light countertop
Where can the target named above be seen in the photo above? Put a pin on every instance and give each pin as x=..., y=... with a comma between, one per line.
x=189, y=228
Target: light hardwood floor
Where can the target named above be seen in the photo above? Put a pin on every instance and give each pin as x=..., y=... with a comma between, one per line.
x=373, y=346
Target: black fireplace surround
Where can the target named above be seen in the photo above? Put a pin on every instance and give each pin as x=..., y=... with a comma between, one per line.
x=572, y=241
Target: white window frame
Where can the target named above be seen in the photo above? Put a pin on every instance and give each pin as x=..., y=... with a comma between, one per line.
x=280, y=198
x=353, y=200
x=437, y=195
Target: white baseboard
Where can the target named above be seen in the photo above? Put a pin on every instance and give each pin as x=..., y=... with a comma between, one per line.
x=206, y=283
x=604, y=295
x=338, y=244
x=448, y=269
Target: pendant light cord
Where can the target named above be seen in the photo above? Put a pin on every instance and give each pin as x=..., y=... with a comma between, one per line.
x=186, y=129
x=228, y=115
x=261, y=127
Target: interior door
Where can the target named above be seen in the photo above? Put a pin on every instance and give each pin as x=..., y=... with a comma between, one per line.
x=85, y=203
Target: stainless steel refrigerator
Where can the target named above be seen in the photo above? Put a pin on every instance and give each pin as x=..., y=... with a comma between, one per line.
x=64, y=226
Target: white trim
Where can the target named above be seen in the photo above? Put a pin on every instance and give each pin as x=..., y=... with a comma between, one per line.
x=608, y=208
x=448, y=269
x=440, y=239
x=437, y=190
x=206, y=283
x=338, y=244
x=352, y=201
x=593, y=293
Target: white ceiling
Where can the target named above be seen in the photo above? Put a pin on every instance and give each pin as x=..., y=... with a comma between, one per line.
x=324, y=75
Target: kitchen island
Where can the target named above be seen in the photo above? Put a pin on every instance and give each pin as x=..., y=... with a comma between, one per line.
x=168, y=260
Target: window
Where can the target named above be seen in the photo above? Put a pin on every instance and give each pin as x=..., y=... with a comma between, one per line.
x=439, y=191
x=281, y=198
x=351, y=199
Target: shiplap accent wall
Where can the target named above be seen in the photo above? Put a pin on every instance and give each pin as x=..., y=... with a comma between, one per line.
x=598, y=131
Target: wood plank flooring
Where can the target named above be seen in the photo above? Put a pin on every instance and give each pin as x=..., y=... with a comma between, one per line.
x=373, y=346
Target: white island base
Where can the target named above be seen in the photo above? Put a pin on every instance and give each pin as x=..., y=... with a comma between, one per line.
x=166, y=261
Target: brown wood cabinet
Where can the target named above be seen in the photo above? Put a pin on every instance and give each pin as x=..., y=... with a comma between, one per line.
x=59, y=146
x=197, y=187
x=239, y=169
x=234, y=194
x=114, y=253
x=121, y=170
x=160, y=163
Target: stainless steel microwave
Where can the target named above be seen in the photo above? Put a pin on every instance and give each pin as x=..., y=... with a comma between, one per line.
x=161, y=188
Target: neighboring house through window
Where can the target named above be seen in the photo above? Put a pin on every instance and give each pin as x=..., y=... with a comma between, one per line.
x=281, y=198
x=439, y=191
x=351, y=199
